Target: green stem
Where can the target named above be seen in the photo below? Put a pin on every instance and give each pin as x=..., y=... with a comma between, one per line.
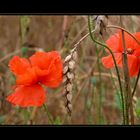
x=117, y=71
x=48, y=114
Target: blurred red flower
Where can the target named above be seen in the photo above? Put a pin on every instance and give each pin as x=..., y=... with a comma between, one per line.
x=133, y=52
x=41, y=68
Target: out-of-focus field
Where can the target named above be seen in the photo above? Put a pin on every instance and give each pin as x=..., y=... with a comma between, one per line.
x=95, y=98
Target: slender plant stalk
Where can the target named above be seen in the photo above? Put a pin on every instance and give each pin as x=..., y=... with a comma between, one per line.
x=128, y=96
x=48, y=114
x=117, y=71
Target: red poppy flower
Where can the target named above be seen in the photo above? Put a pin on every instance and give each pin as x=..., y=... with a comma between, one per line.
x=133, y=52
x=41, y=68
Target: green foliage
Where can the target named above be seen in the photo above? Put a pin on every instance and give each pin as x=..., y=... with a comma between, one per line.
x=93, y=80
x=57, y=121
x=2, y=119
x=117, y=100
x=138, y=107
x=24, y=50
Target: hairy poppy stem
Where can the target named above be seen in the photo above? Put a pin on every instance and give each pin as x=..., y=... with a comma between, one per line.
x=48, y=114
x=128, y=97
x=117, y=71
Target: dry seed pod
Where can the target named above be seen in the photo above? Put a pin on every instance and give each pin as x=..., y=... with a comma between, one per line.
x=101, y=23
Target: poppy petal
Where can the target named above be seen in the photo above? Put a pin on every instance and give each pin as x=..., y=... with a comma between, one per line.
x=26, y=96
x=137, y=52
x=18, y=65
x=113, y=43
x=52, y=63
x=133, y=65
x=108, y=60
x=54, y=78
x=129, y=40
x=43, y=59
x=28, y=78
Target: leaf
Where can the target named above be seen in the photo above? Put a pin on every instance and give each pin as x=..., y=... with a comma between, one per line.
x=138, y=107
x=117, y=100
x=57, y=121
x=93, y=80
x=24, y=50
x=2, y=119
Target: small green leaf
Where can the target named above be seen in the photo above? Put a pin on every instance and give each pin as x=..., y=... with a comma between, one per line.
x=24, y=50
x=2, y=119
x=57, y=121
x=138, y=107
x=93, y=80
x=117, y=100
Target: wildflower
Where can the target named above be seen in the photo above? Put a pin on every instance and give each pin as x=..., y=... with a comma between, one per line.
x=41, y=69
x=132, y=48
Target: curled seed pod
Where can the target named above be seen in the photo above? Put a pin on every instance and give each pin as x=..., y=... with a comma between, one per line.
x=71, y=64
x=68, y=58
x=101, y=23
x=65, y=69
